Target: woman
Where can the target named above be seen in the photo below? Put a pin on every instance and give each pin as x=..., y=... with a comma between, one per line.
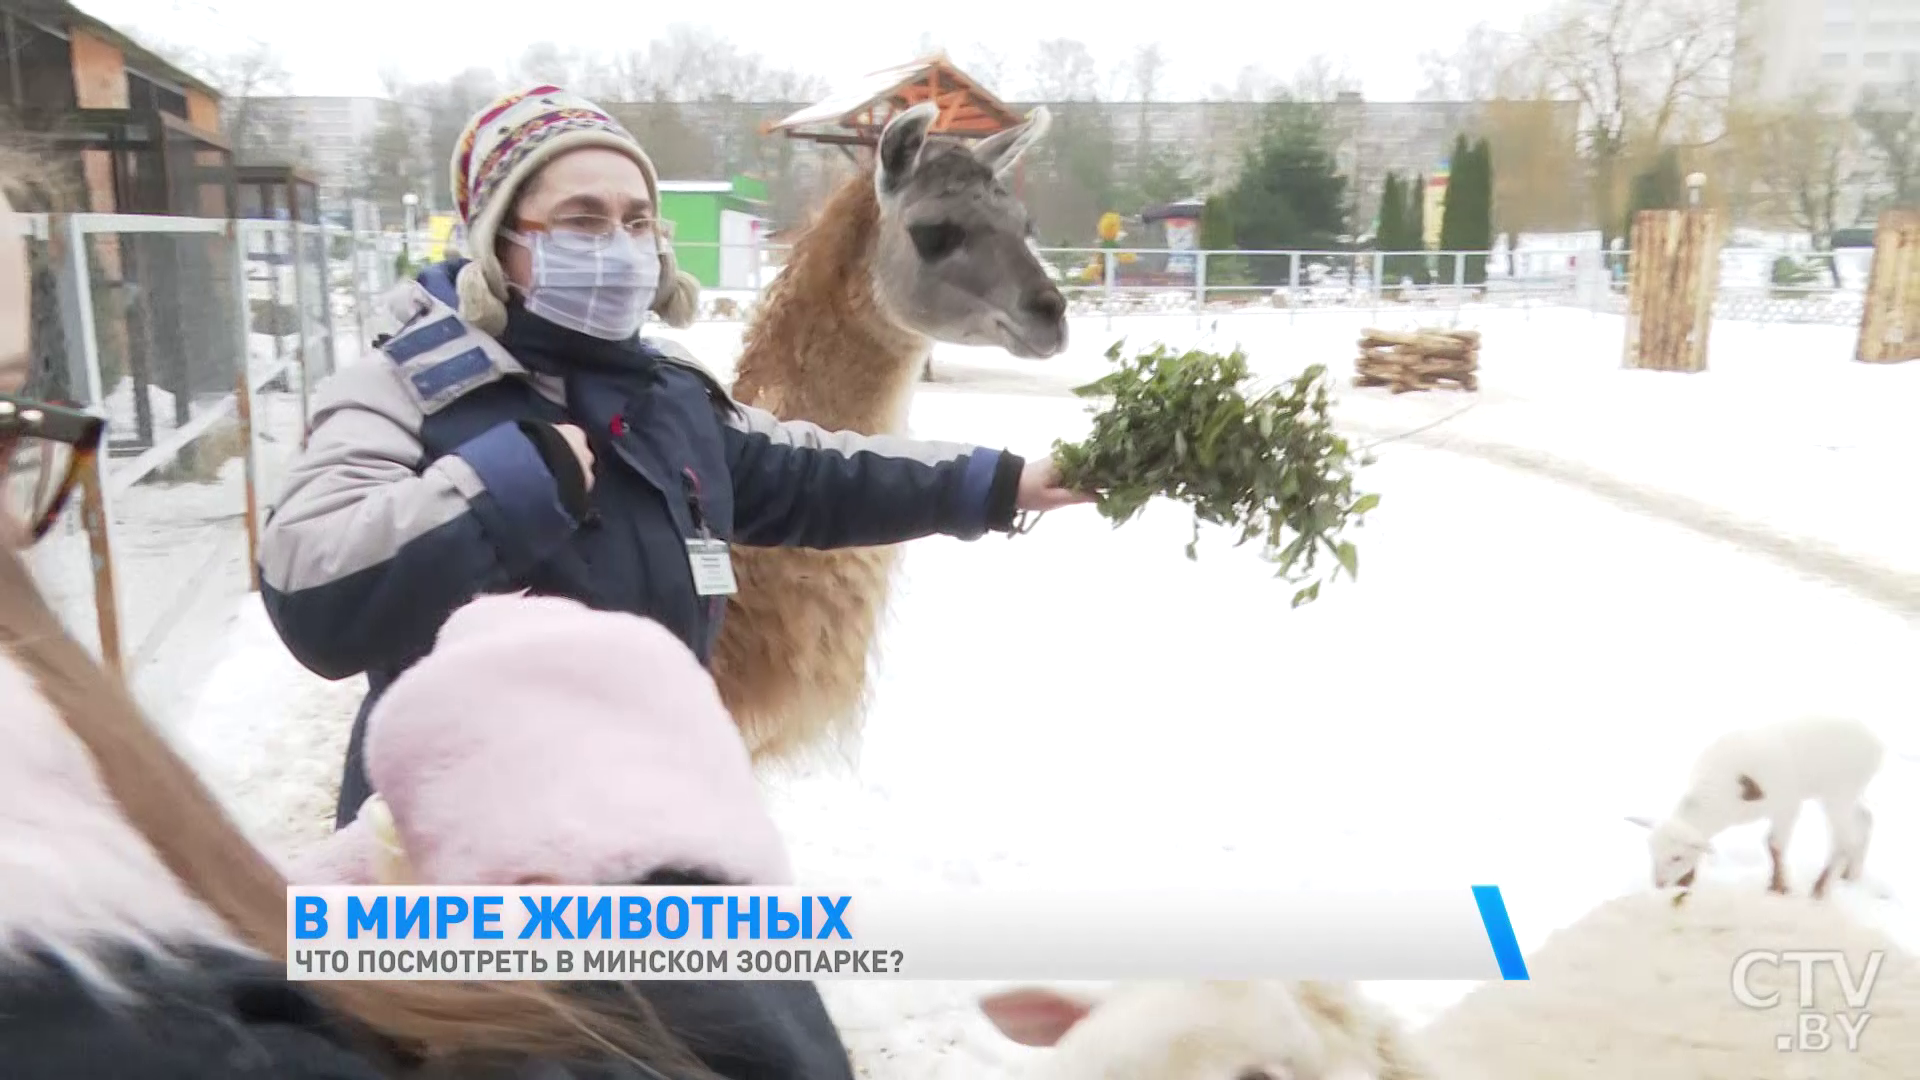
x=142, y=936
x=514, y=431
x=542, y=741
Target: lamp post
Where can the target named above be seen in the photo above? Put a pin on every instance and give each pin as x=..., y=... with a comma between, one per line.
x=411, y=202
x=1696, y=182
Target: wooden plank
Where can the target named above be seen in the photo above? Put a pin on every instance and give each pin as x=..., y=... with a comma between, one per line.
x=1890, y=315
x=1676, y=272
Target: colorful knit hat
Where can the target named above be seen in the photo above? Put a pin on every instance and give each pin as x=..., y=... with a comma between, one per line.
x=542, y=738
x=502, y=147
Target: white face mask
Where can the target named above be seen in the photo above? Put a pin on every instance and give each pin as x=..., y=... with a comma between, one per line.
x=602, y=286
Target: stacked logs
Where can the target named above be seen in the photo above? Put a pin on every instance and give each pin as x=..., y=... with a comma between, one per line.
x=1420, y=360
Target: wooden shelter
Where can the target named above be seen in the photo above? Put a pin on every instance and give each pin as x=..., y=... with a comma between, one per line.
x=855, y=115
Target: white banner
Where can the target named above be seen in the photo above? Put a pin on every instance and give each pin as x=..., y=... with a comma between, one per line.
x=713, y=933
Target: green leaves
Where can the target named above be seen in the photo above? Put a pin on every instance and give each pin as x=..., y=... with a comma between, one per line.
x=1181, y=425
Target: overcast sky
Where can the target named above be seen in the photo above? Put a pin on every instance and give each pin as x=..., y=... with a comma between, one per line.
x=340, y=46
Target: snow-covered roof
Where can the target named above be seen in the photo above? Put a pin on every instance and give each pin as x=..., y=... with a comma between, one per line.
x=697, y=186
x=843, y=106
x=857, y=95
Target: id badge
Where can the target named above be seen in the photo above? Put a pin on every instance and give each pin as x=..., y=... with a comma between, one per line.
x=712, y=567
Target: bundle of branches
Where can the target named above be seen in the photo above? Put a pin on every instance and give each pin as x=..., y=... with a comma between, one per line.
x=1418, y=361
x=1183, y=425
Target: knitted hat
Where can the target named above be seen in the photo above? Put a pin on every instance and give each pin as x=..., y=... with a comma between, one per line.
x=543, y=738
x=502, y=147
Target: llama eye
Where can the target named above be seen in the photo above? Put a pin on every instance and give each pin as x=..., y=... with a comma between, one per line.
x=937, y=240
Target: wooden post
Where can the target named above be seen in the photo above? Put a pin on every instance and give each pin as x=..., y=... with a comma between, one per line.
x=1676, y=271
x=1890, y=316
x=106, y=599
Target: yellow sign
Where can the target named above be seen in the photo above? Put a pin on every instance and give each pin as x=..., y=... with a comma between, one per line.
x=439, y=231
x=1433, y=208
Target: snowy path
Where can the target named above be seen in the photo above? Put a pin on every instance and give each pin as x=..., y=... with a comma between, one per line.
x=1520, y=665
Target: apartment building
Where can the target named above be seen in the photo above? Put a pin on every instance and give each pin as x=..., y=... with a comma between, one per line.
x=329, y=136
x=1853, y=46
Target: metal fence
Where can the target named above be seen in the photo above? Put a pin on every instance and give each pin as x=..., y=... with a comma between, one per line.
x=201, y=339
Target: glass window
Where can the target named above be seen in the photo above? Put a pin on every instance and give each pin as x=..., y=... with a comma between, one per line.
x=1879, y=60
x=1834, y=61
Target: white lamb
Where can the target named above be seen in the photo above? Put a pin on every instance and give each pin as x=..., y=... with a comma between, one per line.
x=1207, y=1031
x=1766, y=774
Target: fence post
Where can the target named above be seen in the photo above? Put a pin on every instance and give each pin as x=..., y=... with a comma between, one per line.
x=243, y=402
x=1890, y=311
x=1293, y=286
x=1110, y=264
x=326, y=294
x=83, y=366
x=1670, y=295
x=299, y=239
x=1459, y=280
x=1379, y=277
x=359, y=260
x=1199, y=289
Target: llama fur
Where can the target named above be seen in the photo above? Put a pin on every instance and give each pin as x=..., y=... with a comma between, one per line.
x=1636, y=988
x=1768, y=773
x=831, y=345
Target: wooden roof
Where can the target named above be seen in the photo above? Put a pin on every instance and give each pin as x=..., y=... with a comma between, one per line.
x=856, y=114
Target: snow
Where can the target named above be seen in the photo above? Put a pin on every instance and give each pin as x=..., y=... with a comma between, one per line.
x=1523, y=662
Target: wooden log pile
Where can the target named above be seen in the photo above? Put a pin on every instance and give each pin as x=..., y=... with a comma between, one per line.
x=1420, y=360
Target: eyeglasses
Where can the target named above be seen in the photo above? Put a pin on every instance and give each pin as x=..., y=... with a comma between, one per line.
x=596, y=231
x=43, y=452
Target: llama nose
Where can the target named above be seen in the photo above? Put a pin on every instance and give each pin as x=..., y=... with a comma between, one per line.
x=1045, y=304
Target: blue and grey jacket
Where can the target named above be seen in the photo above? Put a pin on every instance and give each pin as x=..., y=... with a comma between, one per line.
x=432, y=475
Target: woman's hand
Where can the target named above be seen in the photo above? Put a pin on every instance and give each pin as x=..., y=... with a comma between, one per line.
x=1040, y=488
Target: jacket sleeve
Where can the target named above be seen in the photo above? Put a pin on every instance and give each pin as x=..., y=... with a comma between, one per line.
x=798, y=485
x=369, y=548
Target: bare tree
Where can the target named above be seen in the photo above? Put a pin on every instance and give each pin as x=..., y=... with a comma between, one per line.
x=1487, y=64
x=1149, y=67
x=1645, y=72
x=988, y=65
x=1889, y=120
x=1251, y=83
x=1322, y=78
x=1806, y=160
x=1063, y=70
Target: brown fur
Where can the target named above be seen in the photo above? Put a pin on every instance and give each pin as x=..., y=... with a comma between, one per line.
x=791, y=661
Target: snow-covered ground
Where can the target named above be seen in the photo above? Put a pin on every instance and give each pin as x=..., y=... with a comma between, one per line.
x=1572, y=582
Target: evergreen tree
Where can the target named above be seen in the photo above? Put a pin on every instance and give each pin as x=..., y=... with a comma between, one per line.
x=1454, y=215
x=1479, y=209
x=1390, y=232
x=1417, y=229
x=1658, y=187
x=1216, y=235
x=1290, y=195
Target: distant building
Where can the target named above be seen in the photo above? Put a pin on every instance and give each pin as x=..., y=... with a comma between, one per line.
x=1851, y=45
x=328, y=136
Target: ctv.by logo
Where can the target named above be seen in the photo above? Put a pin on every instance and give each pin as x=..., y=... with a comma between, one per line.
x=1813, y=1030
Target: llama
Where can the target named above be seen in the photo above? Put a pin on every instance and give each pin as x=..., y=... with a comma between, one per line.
x=1767, y=773
x=1636, y=988
x=931, y=246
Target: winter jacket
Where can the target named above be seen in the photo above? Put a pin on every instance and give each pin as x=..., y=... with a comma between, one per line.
x=432, y=475
x=208, y=1014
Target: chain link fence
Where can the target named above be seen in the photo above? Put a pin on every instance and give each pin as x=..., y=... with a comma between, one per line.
x=201, y=341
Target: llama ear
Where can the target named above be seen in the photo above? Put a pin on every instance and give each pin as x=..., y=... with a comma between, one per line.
x=1001, y=151
x=900, y=145
x=1035, y=1016
x=1750, y=791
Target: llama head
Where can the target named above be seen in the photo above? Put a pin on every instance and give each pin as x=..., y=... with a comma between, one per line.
x=1172, y=1031
x=953, y=260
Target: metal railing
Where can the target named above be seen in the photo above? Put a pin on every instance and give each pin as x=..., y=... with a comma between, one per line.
x=201, y=339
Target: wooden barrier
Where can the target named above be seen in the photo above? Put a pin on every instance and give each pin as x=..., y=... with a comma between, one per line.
x=1675, y=273
x=1890, y=316
x=1420, y=360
